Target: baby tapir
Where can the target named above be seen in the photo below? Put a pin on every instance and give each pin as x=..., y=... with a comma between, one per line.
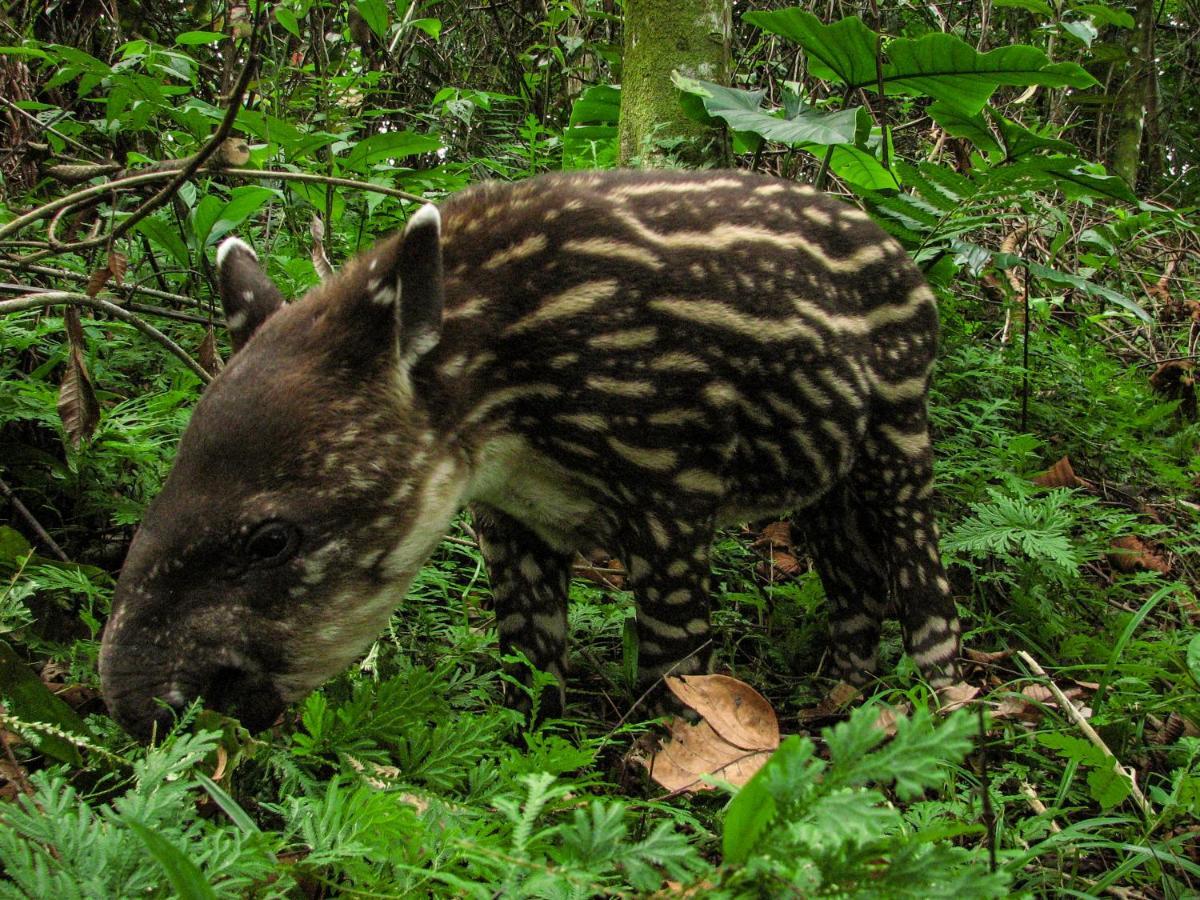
x=616, y=359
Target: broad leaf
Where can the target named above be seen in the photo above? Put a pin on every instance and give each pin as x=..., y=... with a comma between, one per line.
x=28, y=698
x=375, y=14
x=843, y=51
x=946, y=68
x=740, y=110
x=392, y=146
x=959, y=124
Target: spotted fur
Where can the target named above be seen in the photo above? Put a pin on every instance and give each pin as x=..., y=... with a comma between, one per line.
x=618, y=359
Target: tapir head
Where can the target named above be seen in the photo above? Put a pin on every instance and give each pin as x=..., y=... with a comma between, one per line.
x=307, y=491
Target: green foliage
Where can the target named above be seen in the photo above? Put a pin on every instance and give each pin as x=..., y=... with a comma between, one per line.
x=406, y=777
x=827, y=828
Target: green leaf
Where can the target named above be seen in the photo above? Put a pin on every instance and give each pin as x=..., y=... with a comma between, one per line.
x=374, y=13
x=432, y=27
x=165, y=236
x=192, y=38
x=13, y=546
x=28, y=698
x=35, y=52
x=1105, y=15
x=843, y=51
x=1193, y=657
x=1107, y=786
x=946, y=68
x=394, y=145
x=740, y=110
x=753, y=807
x=1041, y=7
x=856, y=167
x=1020, y=141
x=599, y=104
x=1082, y=30
x=243, y=203
x=288, y=20
x=185, y=876
x=959, y=124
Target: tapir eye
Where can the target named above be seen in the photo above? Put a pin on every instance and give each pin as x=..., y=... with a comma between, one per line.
x=272, y=543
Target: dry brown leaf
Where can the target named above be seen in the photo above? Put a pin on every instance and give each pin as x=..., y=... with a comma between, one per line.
x=209, y=356
x=886, y=720
x=1131, y=554
x=778, y=534
x=736, y=711
x=839, y=697
x=984, y=658
x=1059, y=475
x=956, y=695
x=78, y=407
x=118, y=264
x=320, y=259
x=693, y=751
x=738, y=734
x=96, y=281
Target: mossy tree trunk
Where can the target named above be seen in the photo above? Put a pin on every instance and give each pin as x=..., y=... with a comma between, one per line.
x=660, y=37
x=1135, y=96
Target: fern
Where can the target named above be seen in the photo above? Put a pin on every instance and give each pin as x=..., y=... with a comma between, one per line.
x=1014, y=528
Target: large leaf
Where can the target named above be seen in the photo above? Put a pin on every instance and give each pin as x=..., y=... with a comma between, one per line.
x=959, y=124
x=28, y=698
x=856, y=167
x=394, y=145
x=243, y=202
x=590, y=141
x=941, y=66
x=843, y=51
x=741, y=111
x=946, y=68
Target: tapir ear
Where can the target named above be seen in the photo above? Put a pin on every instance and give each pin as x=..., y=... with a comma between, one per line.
x=248, y=296
x=416, y=277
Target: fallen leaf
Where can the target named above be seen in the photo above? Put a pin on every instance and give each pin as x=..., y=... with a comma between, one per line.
x=1131, y=554
x=984, y=658
x=956, y=695
x=839, y=697
x=96, y=281
x=1059, y=475
x=886, y=720
x=736, y=711
x=691, y=752
x=737, y=734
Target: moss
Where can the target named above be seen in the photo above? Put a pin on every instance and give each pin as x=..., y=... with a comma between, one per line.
x=660, y=37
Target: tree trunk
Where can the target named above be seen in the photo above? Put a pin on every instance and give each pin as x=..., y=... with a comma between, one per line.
x=662, y=36
x=1134, y=97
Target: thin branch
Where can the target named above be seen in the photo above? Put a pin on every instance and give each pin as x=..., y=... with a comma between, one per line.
x=83, y=278
x=88, y=193
x=50, y=128
x=50, y=298
x=1090, y=733
x=33, y=523
x=26, y=289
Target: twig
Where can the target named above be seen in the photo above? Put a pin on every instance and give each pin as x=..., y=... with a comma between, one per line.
x=1090, y=733
x=50, y=128
x=33, y=523
x=1037, y=805
x=83, y=279
x=26, y=289
x=50, y=298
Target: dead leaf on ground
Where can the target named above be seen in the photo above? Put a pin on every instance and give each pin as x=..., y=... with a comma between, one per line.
x=601, y=568
x=832, y=704
x=984, y=658
x=1059, y=475
x=777, y=544
x=1030, y=704
x=956, y=695
x=888, y=715
x=1131, y=554
x=737, y=735
x=1176, y=380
